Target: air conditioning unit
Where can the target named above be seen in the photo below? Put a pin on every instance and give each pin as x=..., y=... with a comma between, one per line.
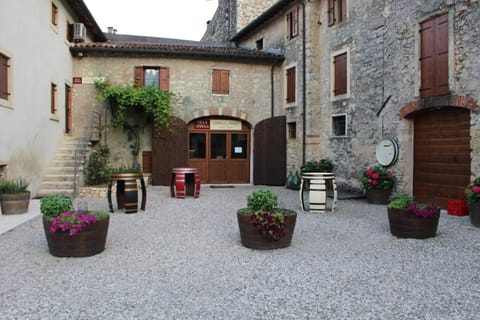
x=79, y=32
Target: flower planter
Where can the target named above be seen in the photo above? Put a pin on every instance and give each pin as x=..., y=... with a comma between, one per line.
x=84, y=244
x=378, y=196
x=475, y=214
x=252, y=239
x=14, y=203
x=405, y=224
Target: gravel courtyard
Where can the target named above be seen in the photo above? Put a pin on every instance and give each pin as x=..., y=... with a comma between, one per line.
x=182, y=259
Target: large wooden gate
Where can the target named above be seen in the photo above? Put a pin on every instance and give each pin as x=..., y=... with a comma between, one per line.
x=441, y=155
x=169, y=150
x=270, y=152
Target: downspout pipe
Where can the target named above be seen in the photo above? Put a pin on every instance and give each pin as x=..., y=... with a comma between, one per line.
x=304, y=89
x=272, y=91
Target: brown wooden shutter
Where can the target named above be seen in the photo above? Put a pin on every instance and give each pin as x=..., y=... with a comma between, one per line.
x=164, y=79
x=225, y=82
x=291, y=85
x=343, y=10
x=289, y=25
x=147, y=161
x=331, y=12
x=340, y=65
x=295, y=22
x=434, y=57
x=138, y=77
x=3, y=77
x=216, y=82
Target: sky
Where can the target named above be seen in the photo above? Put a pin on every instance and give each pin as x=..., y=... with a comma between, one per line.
x=178, y=19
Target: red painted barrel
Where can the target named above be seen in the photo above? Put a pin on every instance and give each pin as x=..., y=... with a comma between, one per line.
x=184, y=182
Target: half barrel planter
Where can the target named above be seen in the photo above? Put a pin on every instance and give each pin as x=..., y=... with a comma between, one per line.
x=378, y=196
x=475, y=214
x=86, y=243
x=14, y=203
x=405, y=224
x=252, y=239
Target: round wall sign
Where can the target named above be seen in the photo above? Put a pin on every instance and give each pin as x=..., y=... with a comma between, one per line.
x=387, y=152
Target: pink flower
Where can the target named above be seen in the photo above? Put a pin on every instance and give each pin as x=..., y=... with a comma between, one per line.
x=375, y=176
x=374, y=182
x=390, y=175
x=369, y=172
x=476, y=189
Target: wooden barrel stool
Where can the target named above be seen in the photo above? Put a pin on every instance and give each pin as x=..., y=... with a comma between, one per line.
x=184, y=182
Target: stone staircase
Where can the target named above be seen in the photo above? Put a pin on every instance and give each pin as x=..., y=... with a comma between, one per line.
x=60, y=176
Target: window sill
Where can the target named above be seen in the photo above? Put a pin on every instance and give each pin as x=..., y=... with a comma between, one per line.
x=54, y=117
x=6, y=104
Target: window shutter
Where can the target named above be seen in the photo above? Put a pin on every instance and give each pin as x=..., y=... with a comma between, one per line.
x=225, y=82
x=343, y=10
x=164, y=79
x=295, y=21
x=331, y=12
x=441, y=55
x=340, y=67
x=3, y=77
x=138, y=73
x=291, y=83
x=289, y=25
x=216, y=82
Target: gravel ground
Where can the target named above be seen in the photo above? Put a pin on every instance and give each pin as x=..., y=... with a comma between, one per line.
x=182, y=259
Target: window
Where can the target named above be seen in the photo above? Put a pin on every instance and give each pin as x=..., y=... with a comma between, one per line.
x=220, y=81
x=292, y=130
x=291, y=85
x=337, y=11
x=260, y=44
x=54, y=14
x=340, y=74
x=4, y=73
x=339, y=125
x=434, y=57
x=53, y=98
x=70, y=29
x=197, y=145
x=292, y=23
x=156, y=76
x=68, y=109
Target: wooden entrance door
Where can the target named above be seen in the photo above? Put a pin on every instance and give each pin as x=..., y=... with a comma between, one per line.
x=441, y=155
x=68, y=109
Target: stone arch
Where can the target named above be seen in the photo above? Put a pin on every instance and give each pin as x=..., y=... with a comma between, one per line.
x=217, y=111
x=411, y=108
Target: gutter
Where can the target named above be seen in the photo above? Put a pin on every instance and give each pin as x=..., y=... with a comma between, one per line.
x=304, y=91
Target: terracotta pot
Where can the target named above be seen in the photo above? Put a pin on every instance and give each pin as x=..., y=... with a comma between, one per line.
x=405, y=224
x=84, y=244
x=378, y=196
x=14, y=203
x=252, y=239
x=475, y=214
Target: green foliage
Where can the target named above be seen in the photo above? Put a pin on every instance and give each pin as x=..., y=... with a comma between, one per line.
x=13, y=186
x=378, y=178
x=473, y=191
x=324, y=165
x=126, y=170
x=52, y=206
x=400, y=201
x=100, y=215
x=262, y=200
x=97, y=169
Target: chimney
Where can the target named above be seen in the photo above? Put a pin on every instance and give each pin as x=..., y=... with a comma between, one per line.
x=112, y=30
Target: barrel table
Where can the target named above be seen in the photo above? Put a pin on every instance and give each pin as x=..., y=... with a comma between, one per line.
x=184, y=182
x=317, y=190
x=127, y=193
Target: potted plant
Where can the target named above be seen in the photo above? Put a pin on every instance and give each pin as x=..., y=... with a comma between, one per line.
x=262, y=225
x=324, y=165
x=473, y=197
x=14, y=196
x=72, y=233
x=409, y=219
x=378, y=183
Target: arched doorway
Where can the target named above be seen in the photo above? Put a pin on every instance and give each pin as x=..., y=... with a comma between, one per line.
x=220, y=148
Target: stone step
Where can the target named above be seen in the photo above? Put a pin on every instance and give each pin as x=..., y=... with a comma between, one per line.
x=52, y=185
x=43, y=193
x=59, y=177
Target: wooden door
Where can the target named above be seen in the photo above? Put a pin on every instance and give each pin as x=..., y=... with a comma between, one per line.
x=270, y=152
x=441, y=155
x=169, y=150
x=68, y=109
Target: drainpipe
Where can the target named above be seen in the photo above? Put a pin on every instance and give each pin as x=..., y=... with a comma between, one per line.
x=304, y=91
x=272, y=91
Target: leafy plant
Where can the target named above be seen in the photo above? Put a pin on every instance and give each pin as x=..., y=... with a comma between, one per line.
x=324, y=165
x=13, y=186
x=378, y=178
x=74, y=222
x=52, y=206
x=400, y=201
x=262, y=200
x=473, y=191
x=97, y=169
x=271, y=224
x=426, y=211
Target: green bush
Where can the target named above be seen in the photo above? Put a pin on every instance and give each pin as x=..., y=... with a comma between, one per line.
x=13, y=186
x=100, y=215
x=324, y=165
x=262, y=200
x=52, y=206
x=97, y=169
x=400, y=201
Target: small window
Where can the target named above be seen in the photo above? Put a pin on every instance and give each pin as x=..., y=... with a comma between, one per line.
x=4, y=74
x=339, y=125
x=53, y=98
x=54, y=14
x=292, y=23
x=292, y=130
x=260, y=44
x=153, y=76
x=337, y=11
x=340, y=74
x=197, y=145
x=220, y=81
x=291, y=85
x=70, y=29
